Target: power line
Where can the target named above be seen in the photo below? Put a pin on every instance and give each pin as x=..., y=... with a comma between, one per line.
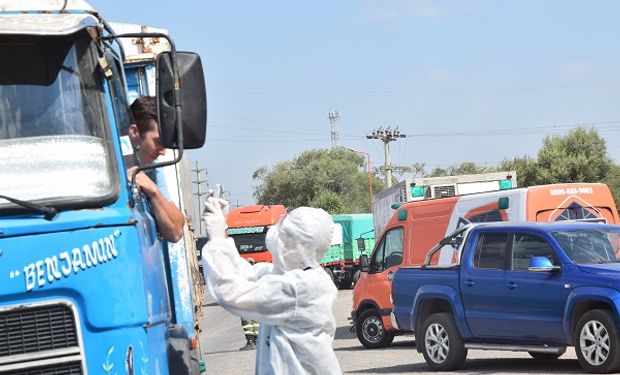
x=420, y=91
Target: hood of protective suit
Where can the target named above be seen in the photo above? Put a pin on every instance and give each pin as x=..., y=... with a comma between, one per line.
x=300, y=239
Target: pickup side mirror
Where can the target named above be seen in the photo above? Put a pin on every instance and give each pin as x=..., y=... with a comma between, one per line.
x=542, y=264
x=364, y=266
x=193, y=100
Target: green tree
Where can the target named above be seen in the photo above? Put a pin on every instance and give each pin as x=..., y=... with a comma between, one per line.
x=579, y=156
x=335, y=180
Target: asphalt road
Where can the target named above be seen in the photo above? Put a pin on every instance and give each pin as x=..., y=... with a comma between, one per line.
x=222, y=337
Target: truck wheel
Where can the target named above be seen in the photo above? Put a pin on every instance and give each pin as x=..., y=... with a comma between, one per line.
x=370, y=330
x=442, y=346
x=546, y=356
x=597, y=342
x=346, y=283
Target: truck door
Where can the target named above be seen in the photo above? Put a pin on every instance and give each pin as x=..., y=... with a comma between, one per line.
x=482, y=284
x=536, y=299
x=502, y=298
x=387, y=256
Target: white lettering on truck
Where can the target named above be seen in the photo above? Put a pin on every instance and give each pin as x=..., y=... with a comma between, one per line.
x=570, y=191
x=55, y=267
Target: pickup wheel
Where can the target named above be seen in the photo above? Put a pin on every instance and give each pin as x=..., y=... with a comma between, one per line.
x=546, y=356
x=442, y=346
x=370, y=330
x=597, y=342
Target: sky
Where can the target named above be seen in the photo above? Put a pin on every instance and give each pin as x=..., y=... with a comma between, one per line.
x=466, y=81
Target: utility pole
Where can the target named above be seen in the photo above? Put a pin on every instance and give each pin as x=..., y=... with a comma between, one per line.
x=333, y=117
x=386, y=135
x=199, y=193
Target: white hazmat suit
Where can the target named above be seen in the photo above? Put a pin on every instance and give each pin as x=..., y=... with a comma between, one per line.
x=292, y=298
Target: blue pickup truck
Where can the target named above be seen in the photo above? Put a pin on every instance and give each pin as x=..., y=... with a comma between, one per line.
x=535, y=287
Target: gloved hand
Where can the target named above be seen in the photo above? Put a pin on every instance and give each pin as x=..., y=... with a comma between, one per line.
x=214, y=217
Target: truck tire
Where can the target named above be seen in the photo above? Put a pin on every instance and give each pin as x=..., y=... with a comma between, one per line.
x=346, y=283
x=546, y=356
x=442, y=344
x=597, y=342
x=370, y=330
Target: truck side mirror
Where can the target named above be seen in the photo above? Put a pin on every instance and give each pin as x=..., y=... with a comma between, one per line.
x=361, y=245
x=193, y=100
x=364, y=266
x=542, y=264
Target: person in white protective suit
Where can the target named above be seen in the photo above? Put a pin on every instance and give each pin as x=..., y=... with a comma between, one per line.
x=292, y=298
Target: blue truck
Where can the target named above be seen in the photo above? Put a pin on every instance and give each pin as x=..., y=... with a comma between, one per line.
x=534, y=287
x=88, y=285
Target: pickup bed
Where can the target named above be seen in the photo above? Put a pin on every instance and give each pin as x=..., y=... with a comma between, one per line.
x=535, y=287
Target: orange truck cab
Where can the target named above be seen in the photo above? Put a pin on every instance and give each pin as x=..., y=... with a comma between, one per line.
x=248, y=225
x=417, y=226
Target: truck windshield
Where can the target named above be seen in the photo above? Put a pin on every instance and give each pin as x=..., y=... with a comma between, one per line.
x=53, y=143
x=250, y=243
x=596, y=246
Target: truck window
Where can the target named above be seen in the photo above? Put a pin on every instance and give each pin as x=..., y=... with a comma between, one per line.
x=389, y=253
x=596, y=246
x=53, y=111
x=526, y=246
x=491, y=251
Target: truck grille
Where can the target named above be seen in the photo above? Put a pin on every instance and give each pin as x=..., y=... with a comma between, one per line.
x=74, y=368
x=37, y=329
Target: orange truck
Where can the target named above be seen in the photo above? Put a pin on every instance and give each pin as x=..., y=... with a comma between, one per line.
x=248, y=225
x=416, y=226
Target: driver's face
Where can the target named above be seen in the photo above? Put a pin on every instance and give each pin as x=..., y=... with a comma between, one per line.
x=151, y=147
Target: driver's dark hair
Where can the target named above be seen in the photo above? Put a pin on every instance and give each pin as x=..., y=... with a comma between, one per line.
x=144, y=110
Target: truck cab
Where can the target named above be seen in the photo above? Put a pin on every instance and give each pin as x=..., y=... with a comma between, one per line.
x=248, y=225
x=86, y=285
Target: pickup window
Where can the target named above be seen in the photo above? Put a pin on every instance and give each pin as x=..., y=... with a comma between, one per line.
x=590, y=246
x=526, y=246
x=389, y=253
x=491, y=251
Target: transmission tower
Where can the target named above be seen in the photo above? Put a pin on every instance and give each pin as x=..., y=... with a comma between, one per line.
x=386, y=135
x=199, y=194
x=333, y=117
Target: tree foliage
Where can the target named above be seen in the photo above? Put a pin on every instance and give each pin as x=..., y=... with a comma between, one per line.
x=579, y=156
x=335, y=180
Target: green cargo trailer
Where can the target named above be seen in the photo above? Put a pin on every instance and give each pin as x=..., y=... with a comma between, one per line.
x=354, y=236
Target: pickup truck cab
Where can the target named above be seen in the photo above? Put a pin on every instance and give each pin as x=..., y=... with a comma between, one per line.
x=535, y=287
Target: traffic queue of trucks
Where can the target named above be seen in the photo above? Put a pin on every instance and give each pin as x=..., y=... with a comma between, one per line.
x=87, y=282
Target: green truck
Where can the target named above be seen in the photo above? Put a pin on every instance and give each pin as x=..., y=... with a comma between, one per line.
x=354, y=236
